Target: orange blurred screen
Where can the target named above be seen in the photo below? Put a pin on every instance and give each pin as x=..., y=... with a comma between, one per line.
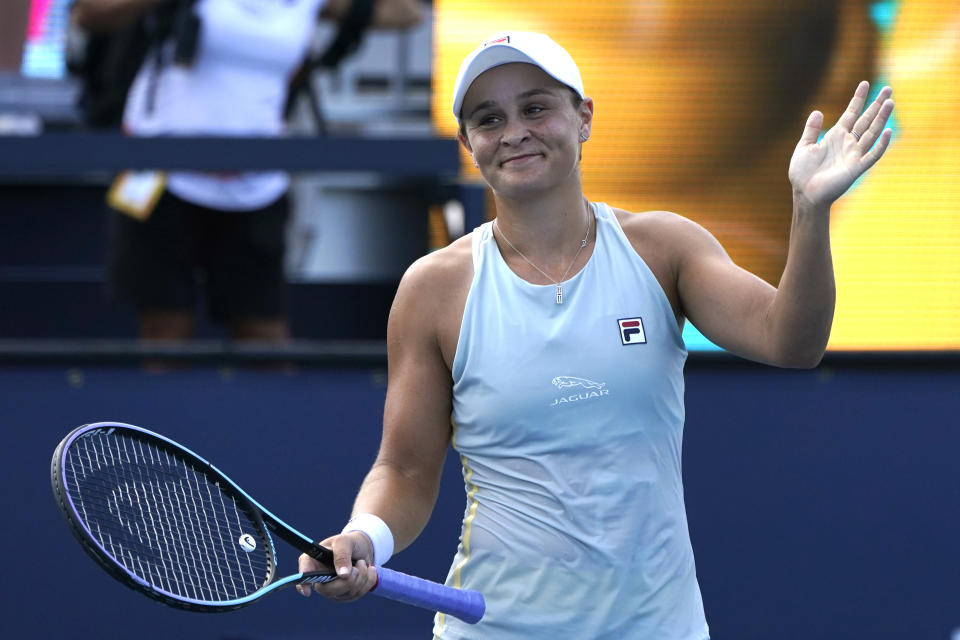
x=698, y=106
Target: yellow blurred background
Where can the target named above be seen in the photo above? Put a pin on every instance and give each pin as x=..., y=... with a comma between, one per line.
x=698, y=106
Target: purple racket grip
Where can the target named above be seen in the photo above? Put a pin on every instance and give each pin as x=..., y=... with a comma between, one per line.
x=465, y=604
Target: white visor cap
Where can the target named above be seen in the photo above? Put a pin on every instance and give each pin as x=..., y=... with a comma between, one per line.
x=516, y=46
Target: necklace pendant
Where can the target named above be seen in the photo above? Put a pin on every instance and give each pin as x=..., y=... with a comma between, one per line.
x=559, y=293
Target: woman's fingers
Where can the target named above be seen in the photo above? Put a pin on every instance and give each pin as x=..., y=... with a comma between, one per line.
x=811, y=130
x=355, y=577
x=351, y=586
x=874, y=120
x=855, y=108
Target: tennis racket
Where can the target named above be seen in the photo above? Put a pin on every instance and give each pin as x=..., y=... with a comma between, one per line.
x=169, y=524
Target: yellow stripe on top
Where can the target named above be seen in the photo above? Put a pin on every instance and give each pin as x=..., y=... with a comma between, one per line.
x=467, y=522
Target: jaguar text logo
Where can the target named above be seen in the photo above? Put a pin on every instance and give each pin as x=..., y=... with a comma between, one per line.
x=586, y=389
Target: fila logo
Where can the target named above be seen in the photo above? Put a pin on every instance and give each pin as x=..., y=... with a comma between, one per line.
x=501, y=40
x=631, y=331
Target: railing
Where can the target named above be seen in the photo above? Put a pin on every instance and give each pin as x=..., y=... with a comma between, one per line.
x=54, y=154
x=371, y=353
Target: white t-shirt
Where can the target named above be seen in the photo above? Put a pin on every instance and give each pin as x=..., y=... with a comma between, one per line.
x=237, y=86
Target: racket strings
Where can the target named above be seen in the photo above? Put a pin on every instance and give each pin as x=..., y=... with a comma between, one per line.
x=165, y=521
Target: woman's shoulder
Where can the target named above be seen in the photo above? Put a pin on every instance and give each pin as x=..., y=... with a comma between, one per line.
x=439, y=273
x=432, y=295
x=664, y=230
x=447, y=261
x=656, y=221
x=667, y=242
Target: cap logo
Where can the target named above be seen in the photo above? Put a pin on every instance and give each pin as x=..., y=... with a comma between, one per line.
x=504, y=39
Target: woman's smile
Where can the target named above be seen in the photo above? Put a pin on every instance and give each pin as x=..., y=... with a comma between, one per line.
x=521, y=159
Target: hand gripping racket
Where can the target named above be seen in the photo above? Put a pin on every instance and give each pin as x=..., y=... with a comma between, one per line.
x=167, y=523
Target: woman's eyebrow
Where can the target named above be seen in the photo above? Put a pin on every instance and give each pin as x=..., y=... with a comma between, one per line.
x=487, y=104
x=536, y=92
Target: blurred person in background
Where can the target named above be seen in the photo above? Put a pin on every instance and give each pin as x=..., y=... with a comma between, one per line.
x=13, y=28
x=224, y=69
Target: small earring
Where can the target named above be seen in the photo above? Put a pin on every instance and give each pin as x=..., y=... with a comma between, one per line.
x=584, y=137
x=475, y=163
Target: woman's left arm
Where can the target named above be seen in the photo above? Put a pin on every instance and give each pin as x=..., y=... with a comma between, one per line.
x=788, y=325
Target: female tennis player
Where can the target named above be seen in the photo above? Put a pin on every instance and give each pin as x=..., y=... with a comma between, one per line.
x=551, y=339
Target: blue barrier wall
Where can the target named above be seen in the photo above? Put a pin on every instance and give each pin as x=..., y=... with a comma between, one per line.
x=822, y=504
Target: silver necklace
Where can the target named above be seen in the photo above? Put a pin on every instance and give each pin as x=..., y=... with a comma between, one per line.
x=558, y=283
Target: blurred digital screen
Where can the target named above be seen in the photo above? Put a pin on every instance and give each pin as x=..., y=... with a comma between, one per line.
x=45, y=43
x=698, y=106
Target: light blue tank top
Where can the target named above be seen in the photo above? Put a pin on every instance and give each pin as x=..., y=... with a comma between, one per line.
x=569, y=419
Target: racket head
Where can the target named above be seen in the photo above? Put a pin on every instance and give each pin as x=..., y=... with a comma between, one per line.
x=160, y=519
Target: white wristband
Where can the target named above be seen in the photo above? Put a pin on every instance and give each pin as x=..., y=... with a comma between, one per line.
x=379, y=533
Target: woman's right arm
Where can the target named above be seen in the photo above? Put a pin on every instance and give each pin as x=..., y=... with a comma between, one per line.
x=101, y=16
x=402, y=486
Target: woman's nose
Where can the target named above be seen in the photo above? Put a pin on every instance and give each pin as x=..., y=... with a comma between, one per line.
x=514, y=133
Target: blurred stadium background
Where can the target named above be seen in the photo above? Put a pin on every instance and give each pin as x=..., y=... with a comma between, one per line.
x=822, y=504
